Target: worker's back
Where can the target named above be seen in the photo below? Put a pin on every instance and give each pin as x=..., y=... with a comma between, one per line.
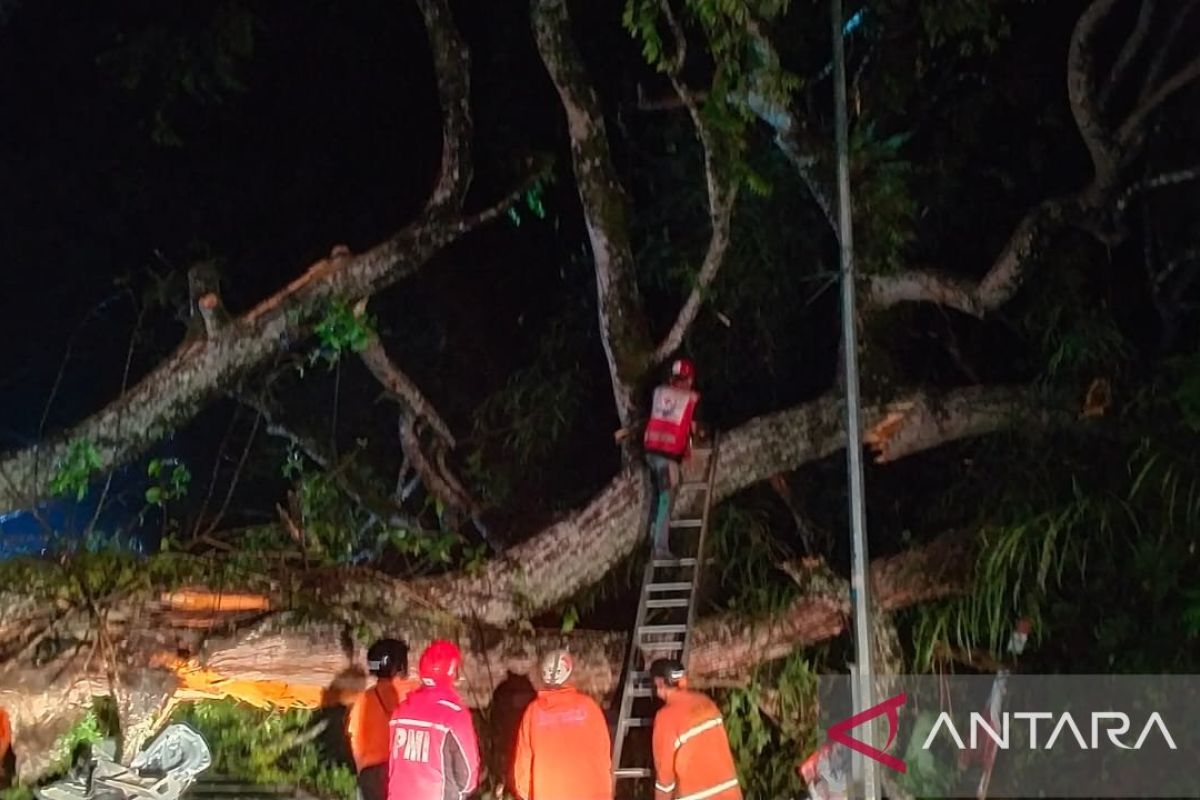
x=435, y=755
x=691, y=749
x=563, y=750
x=368, y=721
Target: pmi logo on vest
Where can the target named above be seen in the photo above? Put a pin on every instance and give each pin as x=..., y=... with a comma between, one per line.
x=1025, y=736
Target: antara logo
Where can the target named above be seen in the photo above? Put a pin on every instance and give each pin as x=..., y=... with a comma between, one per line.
x=1114, y=724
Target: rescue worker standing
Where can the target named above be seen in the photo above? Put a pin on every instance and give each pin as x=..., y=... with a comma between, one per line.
x=667, y=441
x=367, y=724
x=434, y=755
x=563, y=750
x=692, y=759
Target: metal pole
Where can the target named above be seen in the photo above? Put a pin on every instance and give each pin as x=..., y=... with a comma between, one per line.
x=859, y=586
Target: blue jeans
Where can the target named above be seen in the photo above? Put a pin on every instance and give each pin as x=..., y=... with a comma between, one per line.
x=665, y=474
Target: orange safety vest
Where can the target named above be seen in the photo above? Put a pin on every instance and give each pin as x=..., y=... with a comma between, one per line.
x=563, y=750
x=367, y=724
x=692, y=760
x=670, y=427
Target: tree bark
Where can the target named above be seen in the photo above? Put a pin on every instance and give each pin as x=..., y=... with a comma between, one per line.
x=580, y=549
x=43, y=702
x=623, y=327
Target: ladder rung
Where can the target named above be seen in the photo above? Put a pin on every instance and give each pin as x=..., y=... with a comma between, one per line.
x=633, y=772
x=641, y=692
x=677, y=586
x=666, y=647
x=674, y=562
x=686, y=523
x=661, y=629
x=668, y=602
x=638, y=722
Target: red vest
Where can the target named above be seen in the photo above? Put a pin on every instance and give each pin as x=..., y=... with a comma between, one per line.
x=670, y=427
x=434, y=755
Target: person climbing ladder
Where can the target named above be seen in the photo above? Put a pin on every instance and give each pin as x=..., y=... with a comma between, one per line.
x=667, y=442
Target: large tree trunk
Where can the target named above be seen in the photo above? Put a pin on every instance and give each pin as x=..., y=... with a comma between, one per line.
x=580, y=549
x=44, y=701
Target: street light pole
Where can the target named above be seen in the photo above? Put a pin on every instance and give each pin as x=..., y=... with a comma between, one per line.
x=860, y=590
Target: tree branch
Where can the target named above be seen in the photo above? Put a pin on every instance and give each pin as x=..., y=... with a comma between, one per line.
x=1081, y=89
x=1129, y=51
x=581, y=548
x=791, y=138
x=1130, y=129
x=452, y=65
x=623, y=328
x=996, y=287
x=403, y=389
x=1171, y=178
x=197, y=371
x=722, y=196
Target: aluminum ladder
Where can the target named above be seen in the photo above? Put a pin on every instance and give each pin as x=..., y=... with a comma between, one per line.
x=666, y=610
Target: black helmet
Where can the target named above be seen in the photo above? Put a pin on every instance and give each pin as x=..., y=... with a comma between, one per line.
x=669, y=669
x=387, y=657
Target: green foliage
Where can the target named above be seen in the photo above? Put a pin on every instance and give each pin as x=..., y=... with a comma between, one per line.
x=1115, y=559
x=268, y=748
x=338, y=529
x=72, y=473
x=17, y=793
x=747, y=551
x=970, y=25
x=767, y=750
x=745, y=74
x=98, y=724
x=533, y=199
x=171, y=479
x=884, y=202
x=926, y=776
x=570, y=618
x=340, y=330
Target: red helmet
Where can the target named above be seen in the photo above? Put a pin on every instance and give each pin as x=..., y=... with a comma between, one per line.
x=683, y=369
x=441, y=663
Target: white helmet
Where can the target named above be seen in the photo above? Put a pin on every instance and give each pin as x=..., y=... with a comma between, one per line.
x=557, y=667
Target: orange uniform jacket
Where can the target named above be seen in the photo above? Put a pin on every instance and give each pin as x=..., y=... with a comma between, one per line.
x=563, y=751
x=692, y=760
x=368, y=722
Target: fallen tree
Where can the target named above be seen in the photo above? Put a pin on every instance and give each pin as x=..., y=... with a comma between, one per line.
x=45, y=699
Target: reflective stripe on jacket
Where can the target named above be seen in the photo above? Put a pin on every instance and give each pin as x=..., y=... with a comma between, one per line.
x=563, y=751
x=367, y=724
x=435, y=755
x=692, y=760
x=670, y=427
